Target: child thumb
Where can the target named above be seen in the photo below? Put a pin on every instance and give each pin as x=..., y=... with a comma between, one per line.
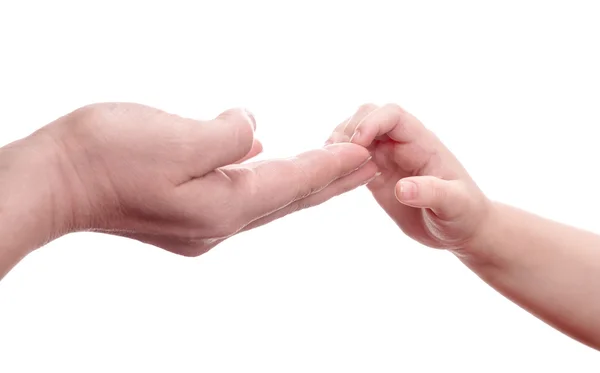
x=446, y=198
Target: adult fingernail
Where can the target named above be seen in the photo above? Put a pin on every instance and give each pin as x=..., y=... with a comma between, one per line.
x=355, y=136
x=373, y=178
x=377, y=174
x=365, y=162
x=408, y=190
x=250, y=117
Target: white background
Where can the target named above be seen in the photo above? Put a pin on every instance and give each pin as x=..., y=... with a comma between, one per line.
x=511, y=87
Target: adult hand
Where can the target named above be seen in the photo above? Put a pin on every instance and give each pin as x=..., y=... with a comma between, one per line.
x=178, y=183
x=422, y=186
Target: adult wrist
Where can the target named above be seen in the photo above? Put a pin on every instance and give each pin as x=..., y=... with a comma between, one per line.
x=35, y=205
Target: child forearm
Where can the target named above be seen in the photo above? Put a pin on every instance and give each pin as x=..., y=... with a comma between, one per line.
x=550, y=269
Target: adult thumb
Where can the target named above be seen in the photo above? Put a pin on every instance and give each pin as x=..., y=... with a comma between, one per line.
x=446, y=198
x=225, y=140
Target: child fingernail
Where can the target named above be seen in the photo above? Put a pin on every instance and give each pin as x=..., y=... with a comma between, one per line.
x=408, y=190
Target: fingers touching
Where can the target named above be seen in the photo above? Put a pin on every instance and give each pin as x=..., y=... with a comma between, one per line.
x=363, y=112
x=344, y=131
x=371, y=122
x=390, y=120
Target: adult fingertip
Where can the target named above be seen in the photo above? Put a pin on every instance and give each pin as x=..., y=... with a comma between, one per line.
x=374, y=177
x=250, y=117
x=258, y=145
x=350, y=154
x=343, y=147
x=238, y=115
x=256, y=149
x=223, y=141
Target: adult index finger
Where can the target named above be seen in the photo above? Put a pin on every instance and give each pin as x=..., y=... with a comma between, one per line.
x=274, y=184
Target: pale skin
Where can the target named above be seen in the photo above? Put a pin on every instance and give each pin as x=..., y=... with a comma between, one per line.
x=185, y=186
x=549, y=269
x=179, y=184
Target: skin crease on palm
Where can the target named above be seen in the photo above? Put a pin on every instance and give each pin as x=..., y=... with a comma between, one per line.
x=450, y=213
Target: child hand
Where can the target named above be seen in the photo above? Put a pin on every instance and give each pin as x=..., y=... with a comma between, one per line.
x=422, y=186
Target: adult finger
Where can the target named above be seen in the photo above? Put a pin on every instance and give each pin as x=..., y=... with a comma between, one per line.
x=345, y=184
x=256, y=149
x=223, y=140
x=270, y=185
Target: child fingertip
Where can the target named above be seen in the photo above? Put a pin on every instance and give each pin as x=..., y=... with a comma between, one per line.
x=406, y=190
